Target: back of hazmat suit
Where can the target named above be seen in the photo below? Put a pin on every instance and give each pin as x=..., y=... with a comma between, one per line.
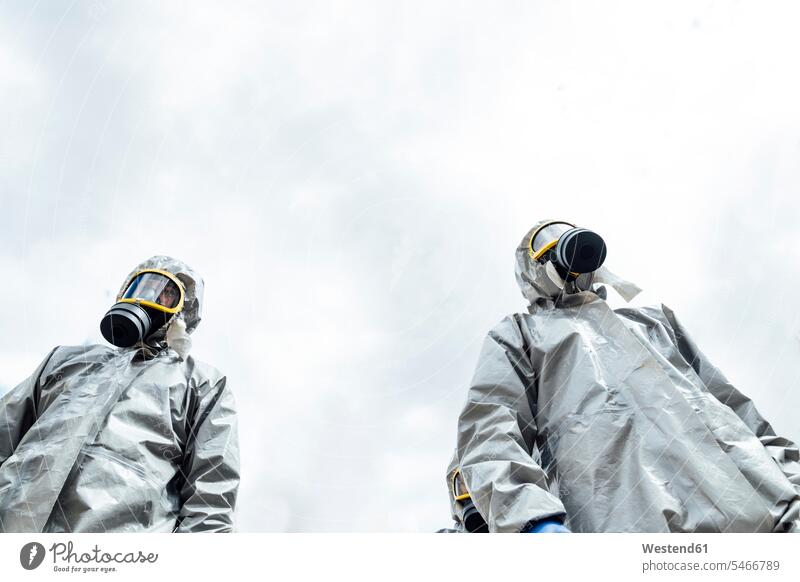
x=612, y=421
x=104, y=439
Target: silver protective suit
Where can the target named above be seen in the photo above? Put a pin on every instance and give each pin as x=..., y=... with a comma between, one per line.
x=614, y=421
x=103, y=439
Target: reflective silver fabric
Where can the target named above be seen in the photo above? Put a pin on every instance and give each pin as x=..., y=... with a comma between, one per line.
x=106, y=439
x=615, y=421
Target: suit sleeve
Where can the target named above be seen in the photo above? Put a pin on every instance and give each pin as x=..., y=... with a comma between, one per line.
x=785, y=452
x=211, y=465
x=496, y=437
x=18, y=411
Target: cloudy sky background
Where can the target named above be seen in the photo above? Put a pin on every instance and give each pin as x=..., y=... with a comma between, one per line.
x=352, y=178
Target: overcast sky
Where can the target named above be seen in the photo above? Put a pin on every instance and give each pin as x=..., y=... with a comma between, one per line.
x=352, y=179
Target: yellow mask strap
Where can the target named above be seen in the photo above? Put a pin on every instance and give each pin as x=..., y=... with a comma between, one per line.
x=454, y=483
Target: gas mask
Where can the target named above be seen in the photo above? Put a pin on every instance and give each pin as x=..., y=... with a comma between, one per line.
x=570, y=260
x=568, y=251
x=150, y=300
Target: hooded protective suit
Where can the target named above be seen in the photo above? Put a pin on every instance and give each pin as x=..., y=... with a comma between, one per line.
x=103, y=439
x=614, y=421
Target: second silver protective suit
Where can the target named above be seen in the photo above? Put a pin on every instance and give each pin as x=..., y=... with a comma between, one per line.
x=614, y=421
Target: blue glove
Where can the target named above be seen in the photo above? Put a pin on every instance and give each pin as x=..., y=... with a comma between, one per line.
x=547, y=526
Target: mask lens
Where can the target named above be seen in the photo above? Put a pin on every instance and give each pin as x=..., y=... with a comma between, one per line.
x=154, y=287
x=459, y=490
x=548, y=234
x=169, y=296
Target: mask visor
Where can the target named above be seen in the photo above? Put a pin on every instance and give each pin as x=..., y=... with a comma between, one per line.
x=546, y=237
x=156, y=289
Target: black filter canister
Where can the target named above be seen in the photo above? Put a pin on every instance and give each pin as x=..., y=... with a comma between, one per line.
x=125, y=324
x=473, y=521
x=580, y=250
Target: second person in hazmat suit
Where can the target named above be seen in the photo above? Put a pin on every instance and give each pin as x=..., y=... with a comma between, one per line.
x=138, y=437
x=587, y=419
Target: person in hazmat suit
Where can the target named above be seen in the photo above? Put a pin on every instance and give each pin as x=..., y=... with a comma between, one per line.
x=586, y=419
x=139, y=437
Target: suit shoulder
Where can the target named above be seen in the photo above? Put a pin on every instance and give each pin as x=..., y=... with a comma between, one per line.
x=79, y=354
x=203, y=373
x=653, y=311
x=509, y=322
x=515, y=330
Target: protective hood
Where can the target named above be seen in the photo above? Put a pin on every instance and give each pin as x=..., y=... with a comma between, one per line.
x=540, y=283
x=173, y=334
